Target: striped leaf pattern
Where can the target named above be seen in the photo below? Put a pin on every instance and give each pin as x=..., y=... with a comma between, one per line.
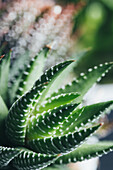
x=47, y=123
x=43, y=127
x=23, y=108
x=29, y=160
x=57, y=101
x=61, y=144
x=85, y=81
x=84, y=117
x=7, y=154
x=30, y=74
x=86, y=151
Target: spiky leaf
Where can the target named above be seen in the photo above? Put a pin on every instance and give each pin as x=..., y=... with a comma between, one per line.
x=25, y=79
x=45, y=124
x=31, y=160
x=85, y=81
x=16, y=121
x=23, y=108
x=22, y=60
x=57, y=101
x=13, y=86
x=86, y=151
x=61, y=144
x=50, y=77
x=32, y=72
x=86, y=116
x=7, y=155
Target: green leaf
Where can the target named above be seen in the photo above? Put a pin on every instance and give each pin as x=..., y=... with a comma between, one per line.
x=62, y=77
x=3, y=115
x=86, y=151
x=57, y=101
x=22, y=60
x=7, y=155
x=2, y=48
x=61, y=144
x=31, y=160
x=45, y=124
x=92, y=113
x=13, y=86
x=85, y=81
x=20, y=111
x=25, y=107
x=24, y=80
x=4, y=71
x=32, y=72
x=86, y=116
x=50, y=77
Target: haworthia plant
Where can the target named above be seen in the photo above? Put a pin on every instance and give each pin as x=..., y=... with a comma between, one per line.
x=40, y=127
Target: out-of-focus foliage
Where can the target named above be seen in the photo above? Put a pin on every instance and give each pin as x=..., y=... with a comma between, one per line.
x=96, y=30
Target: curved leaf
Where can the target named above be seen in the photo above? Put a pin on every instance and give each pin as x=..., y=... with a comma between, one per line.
x=13, y=86
x=25, y=107
x=4, y=72
x=85, y=81
x=32, y=72
x=30, y=160
x=45, y=124
x=7, y=155
x=50, y=77
x=86, y=151
x=57, y=101
x=86, y=116
x=61, y=144
x=19, y=113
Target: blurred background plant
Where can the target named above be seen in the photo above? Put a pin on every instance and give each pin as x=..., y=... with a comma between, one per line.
x=68, y=27
x=96, y=30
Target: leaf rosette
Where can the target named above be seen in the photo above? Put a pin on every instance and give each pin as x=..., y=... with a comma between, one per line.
x=43, y=126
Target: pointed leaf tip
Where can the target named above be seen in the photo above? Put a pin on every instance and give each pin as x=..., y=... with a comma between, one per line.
x=49, y=46
x=86, y=152
x=101, y=124
x=2, y=56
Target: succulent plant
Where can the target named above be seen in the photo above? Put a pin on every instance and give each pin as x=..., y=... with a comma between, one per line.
x=43, y=124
